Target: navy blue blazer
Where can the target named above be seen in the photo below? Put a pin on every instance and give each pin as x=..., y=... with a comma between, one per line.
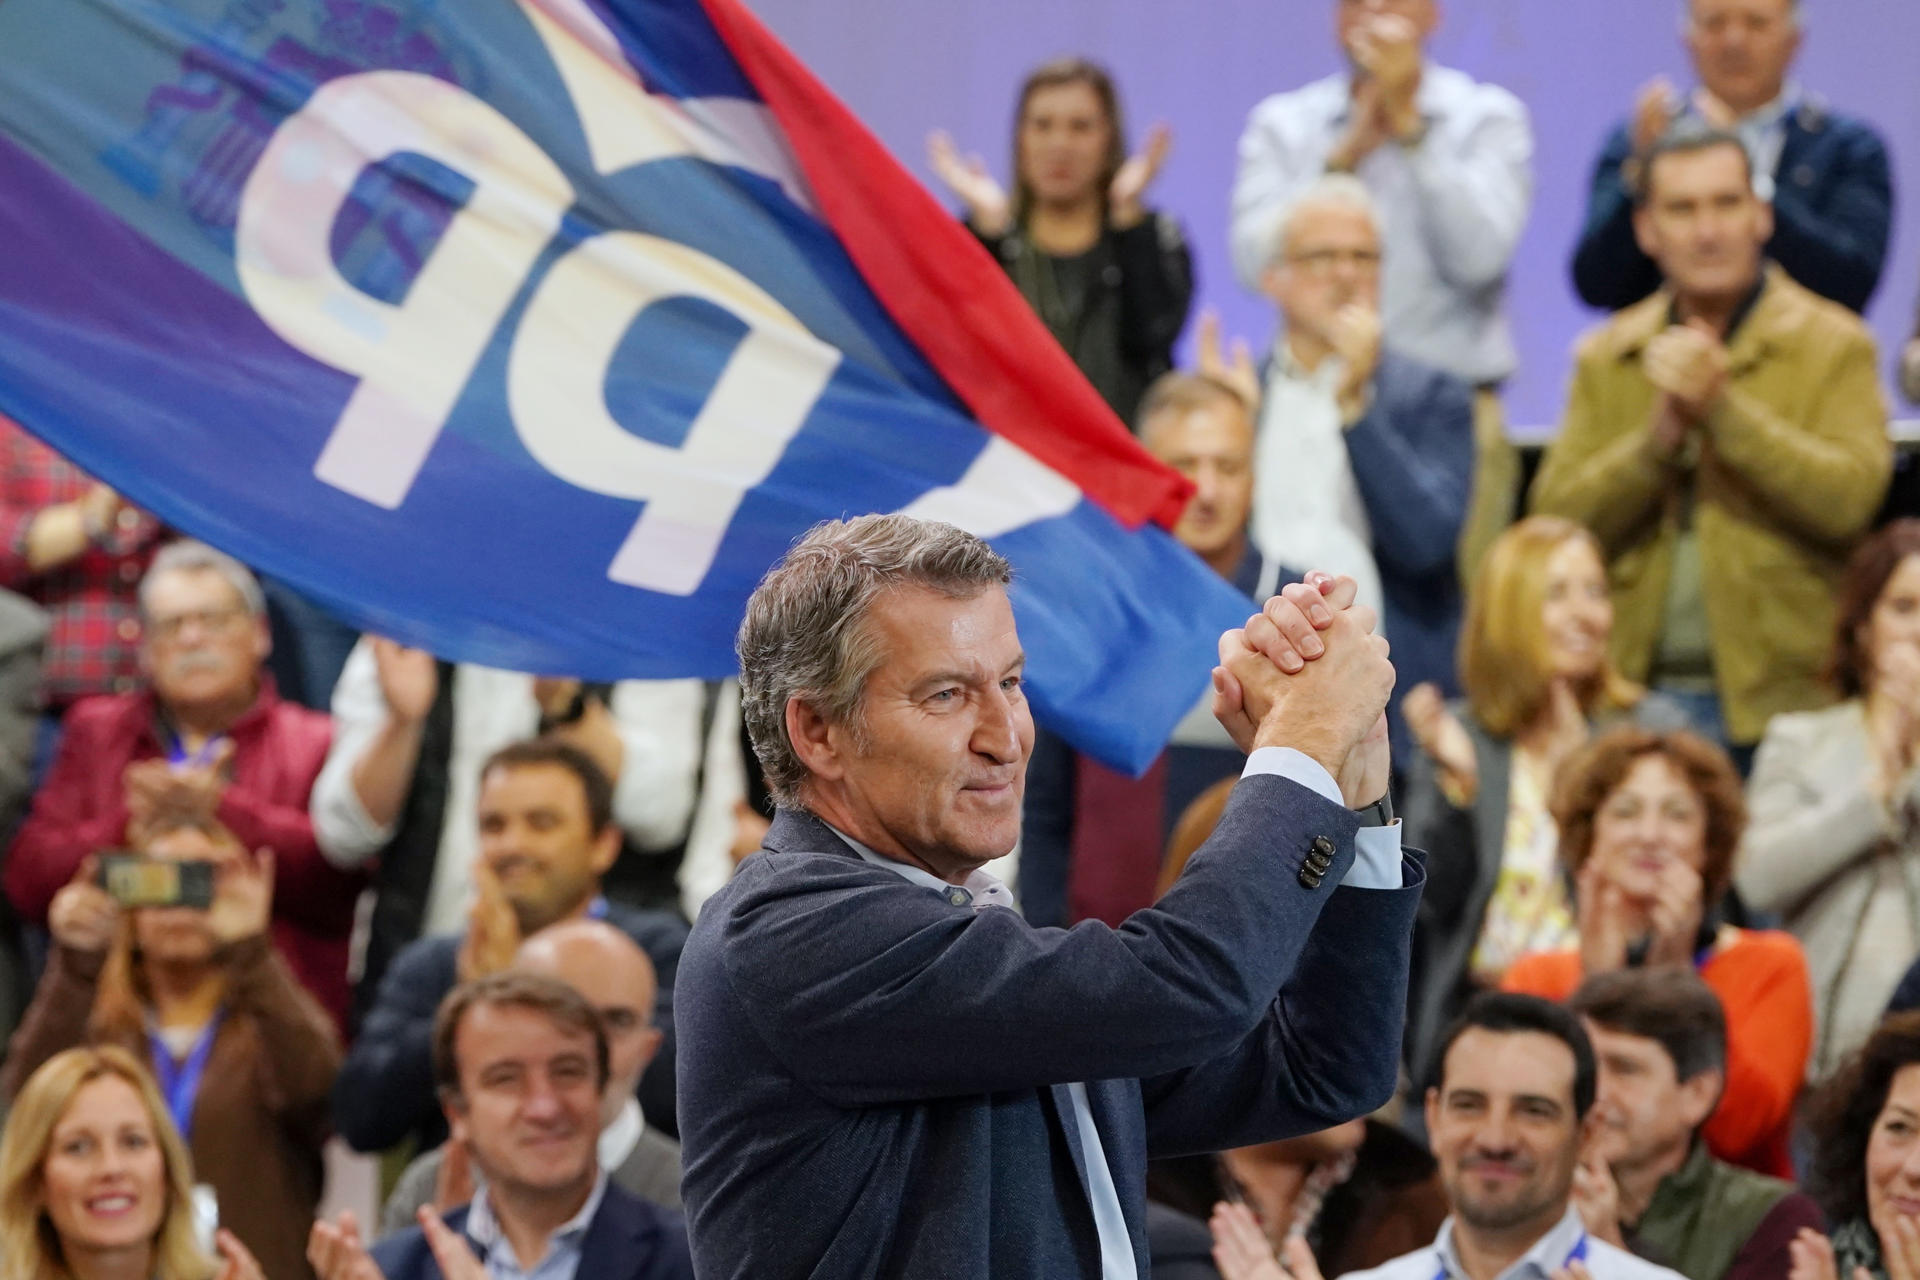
x=873, y=1080
x=1832, y=213
x=628, y=1239
x=385, y=1092
x=1412, y=456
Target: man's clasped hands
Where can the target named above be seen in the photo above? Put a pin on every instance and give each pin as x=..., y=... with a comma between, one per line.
x=1308, y=672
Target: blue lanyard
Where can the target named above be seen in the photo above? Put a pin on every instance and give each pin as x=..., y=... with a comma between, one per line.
x=1576, y=1254
x=179, y=1081
x=180, y=758
x=597, y=909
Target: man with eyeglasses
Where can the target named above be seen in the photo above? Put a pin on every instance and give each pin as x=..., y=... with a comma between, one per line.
x=207, y=739
x=1449, y=162
x=1364, y=458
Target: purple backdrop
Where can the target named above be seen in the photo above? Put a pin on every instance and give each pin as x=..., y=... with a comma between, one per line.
x=908, y=66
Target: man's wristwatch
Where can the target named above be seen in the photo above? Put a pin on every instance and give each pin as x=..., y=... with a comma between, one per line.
x=1380, y=812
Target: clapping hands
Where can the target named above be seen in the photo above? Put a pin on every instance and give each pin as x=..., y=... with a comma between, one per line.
x=156, y=790
x=235, y=1262
x=493, y=931
x=1688, y=364
x=1811, y=1258
x=1596, y=1194
x=1444, y=740
x=1385, y=48
x=989, y=211
x=336, y=1251
x=242, y=897
x=1241, y=1250
x=1671, y=916
x=1238, y=372
x=83, y=916
x=1130, y=183
x=1893, y=716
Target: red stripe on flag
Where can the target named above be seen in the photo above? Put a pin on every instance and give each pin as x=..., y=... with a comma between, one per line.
x=947, y=292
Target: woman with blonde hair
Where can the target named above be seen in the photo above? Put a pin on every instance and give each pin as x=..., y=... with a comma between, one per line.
x=244, y=1058
x=95, y=1183
x=1538, y=679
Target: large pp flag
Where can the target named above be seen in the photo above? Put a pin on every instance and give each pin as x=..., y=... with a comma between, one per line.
x=533, y=331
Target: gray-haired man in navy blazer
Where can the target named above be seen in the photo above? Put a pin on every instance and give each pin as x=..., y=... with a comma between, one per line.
x=884, y=1070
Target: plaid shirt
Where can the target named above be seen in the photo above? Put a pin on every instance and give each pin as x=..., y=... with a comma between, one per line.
x=92, y=602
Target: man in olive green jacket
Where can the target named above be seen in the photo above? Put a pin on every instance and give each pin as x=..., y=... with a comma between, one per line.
x=1647, y=1182
x=1726, y=439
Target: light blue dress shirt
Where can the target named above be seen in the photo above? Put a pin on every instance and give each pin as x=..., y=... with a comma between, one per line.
x=562, y=1260
x=1452, y=208
x=1764, y=132
x=1376, y=850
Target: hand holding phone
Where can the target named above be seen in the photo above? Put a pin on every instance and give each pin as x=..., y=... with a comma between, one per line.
x=243, y=896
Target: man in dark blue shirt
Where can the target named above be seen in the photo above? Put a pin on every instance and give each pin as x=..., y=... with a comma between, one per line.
x=1826, y=174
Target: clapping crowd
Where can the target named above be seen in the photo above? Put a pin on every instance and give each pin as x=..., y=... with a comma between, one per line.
x=399, y=1000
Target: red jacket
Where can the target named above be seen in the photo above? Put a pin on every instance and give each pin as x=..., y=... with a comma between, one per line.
x=278, y=749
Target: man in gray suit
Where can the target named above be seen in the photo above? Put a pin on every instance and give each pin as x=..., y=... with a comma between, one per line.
x=884, y=1070
x=617, y=979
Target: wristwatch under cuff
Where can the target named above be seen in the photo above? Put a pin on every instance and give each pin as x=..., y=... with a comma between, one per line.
x=1380, y=812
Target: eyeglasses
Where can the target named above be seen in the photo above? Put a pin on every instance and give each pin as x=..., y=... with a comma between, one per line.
x=1322, y=262
x=212, y=621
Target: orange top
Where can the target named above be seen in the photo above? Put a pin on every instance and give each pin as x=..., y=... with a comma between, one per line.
x=1761, y=979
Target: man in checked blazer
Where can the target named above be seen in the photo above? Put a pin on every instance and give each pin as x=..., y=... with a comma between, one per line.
x=884, y=1070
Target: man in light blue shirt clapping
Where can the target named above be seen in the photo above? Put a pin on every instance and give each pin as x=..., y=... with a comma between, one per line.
x=1509, y=1119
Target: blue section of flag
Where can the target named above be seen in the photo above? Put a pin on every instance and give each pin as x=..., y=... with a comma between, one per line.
x=128, y=134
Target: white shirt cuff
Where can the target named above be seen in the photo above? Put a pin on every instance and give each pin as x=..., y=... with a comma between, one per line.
x=1376, y=861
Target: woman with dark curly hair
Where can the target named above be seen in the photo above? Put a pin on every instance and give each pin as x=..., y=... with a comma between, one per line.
x=1649, y=823
x=1865, y=1122
x=1834, y=846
